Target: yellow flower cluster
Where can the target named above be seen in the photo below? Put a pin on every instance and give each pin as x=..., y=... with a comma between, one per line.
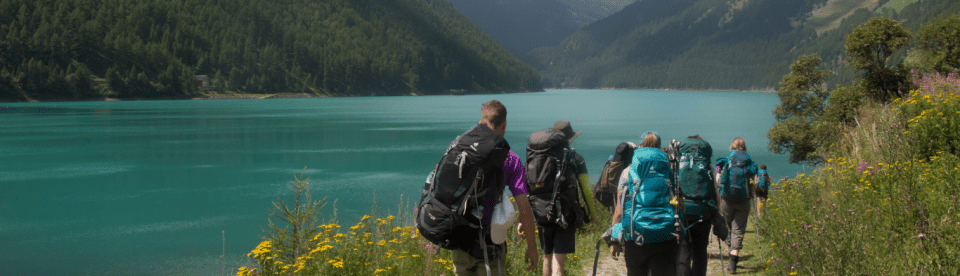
x=337, y=263
x=330, y=250
x=448, y=264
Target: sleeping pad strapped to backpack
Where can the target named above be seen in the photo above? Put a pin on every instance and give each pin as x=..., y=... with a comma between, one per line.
x=450, y=207
x=648, y=216
x=552, y=181
x=606, y=189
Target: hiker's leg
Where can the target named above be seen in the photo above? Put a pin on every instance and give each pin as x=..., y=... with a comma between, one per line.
x=636, y=258
x=564, y=242
x=503, y=258
x=558, y=262
x=547, y=246
x=547, y=264
x=699, y=240
x=760, y=202
x=466, y=265
x=664, y=258
x=728, y=215
x=740, y=218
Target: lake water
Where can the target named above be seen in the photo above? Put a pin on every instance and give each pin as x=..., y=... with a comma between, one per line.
x=164, y=187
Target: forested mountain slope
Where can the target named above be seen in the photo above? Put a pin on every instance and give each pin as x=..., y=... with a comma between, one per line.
x=52, y=49
x=716, y=44
x=522, y=25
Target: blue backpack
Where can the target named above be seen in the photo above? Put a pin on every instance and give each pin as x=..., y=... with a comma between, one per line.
x=764, y=180
x=648, y=216
x=736, y=175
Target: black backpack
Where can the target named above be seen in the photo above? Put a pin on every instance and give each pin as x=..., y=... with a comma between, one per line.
x=606, y=189
x=449, y=213
x=552, y=181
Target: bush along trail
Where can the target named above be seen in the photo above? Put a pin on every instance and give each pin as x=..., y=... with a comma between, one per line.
x=884, y=202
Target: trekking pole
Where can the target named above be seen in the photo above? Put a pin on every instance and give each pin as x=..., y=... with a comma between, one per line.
x=606, y=237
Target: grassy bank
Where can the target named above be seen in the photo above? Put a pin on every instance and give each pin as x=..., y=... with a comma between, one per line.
x=382, y=243
x=885, y=202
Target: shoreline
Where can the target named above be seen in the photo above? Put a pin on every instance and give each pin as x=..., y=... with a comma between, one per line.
x=764, y=90
x=307, y=95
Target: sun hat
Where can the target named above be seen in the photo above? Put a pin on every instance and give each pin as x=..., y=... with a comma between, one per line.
x=564, y=126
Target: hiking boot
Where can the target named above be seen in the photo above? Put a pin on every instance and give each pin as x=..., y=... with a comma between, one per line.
x=732, y=267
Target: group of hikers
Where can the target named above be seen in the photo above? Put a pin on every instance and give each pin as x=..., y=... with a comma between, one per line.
x=666, y=201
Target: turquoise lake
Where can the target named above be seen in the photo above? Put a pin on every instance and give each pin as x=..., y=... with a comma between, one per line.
x=164, y=187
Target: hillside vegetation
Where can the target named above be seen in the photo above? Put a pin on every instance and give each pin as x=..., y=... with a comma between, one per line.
x=884, y=202
x=718, y=44
x=882, y=198
x=52, y=49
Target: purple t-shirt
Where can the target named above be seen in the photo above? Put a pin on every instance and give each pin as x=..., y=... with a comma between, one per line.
x=514, y=174
x=514, y=178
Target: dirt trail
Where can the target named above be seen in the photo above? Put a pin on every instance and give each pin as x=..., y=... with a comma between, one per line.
x=749, y=264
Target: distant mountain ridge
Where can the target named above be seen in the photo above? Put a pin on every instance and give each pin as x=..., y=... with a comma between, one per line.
x=522, y=25
x=714, y=44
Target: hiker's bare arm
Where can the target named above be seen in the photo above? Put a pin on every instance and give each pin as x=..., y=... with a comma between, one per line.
x=527, y=230
x=617, y=210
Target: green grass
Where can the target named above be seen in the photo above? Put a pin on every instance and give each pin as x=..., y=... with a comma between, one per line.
x=895, y=5
x=832, y=14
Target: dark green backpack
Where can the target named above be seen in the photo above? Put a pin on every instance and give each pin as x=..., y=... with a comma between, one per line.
x=696, y=178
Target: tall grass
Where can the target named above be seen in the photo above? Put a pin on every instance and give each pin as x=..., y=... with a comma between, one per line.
x=885, y=202
x=376, y=245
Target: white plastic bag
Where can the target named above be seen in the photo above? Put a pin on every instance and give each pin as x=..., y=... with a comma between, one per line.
x=504, y=216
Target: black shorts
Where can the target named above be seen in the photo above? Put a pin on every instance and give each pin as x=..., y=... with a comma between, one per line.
x=558, y=240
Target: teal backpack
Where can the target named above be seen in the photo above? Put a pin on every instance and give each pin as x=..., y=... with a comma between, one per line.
x=736, y=175
x=648, y=216
x=696, y=179
x=764, y=180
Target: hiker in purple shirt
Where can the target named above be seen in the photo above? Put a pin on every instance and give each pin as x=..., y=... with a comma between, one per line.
x=494, y=115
